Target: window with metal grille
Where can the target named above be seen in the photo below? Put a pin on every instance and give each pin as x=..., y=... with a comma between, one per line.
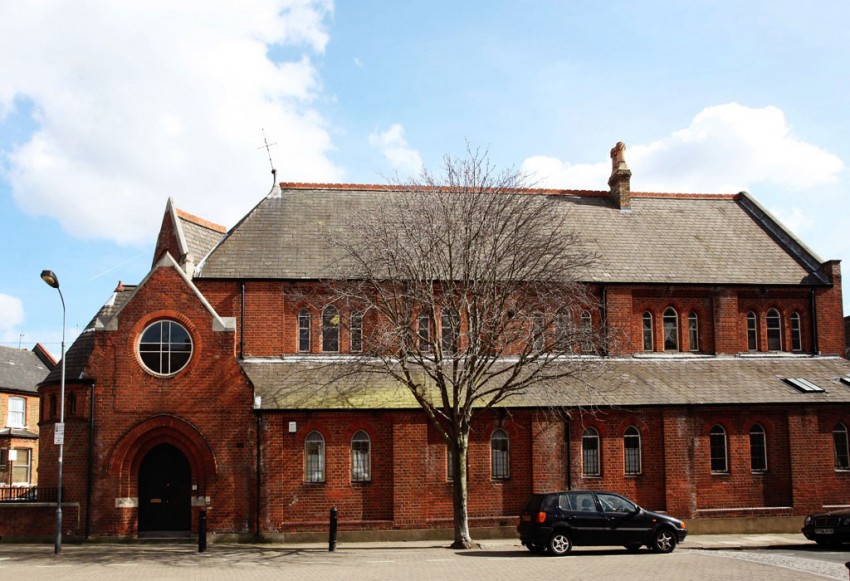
x=423, y=330
x=361, y=457
x=450, y=323
x=356, y=332
x=693, y=331
x=631, y=450
x=330, y=329
x=17, y=414
x=752, y=332
x=304, y=331
x=647, y=332
x=774, y=330
x=717, y=445
x=165, y=347
x=586, y=332
x=500, y=455
x=314, y=458
x=796, y=334
x=538, y=337
x=590, y=465
x=758, y=449
x=839, y=441
x=670, y=319
x=563, y=330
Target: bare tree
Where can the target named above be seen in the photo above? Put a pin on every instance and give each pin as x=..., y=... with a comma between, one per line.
x=470, y=287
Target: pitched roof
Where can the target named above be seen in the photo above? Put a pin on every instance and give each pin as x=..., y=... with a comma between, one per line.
x=294, y=233
x=298, y=384
x=21, y=370
x=200, y=235
x=77, y=355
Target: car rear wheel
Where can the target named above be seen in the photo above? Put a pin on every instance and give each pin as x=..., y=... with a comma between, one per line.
x=560, y=544
x=633, y=547
x=664, y=541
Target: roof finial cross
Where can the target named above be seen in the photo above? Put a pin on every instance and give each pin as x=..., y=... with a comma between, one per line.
x=267, y=146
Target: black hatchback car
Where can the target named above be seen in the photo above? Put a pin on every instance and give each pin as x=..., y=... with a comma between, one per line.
x=828, y=528
x=556, y=521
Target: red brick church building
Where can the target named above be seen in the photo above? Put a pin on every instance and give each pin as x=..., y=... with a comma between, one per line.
x=729, y=399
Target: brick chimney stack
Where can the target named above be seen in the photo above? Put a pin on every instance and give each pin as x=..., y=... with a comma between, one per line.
x=620, y=180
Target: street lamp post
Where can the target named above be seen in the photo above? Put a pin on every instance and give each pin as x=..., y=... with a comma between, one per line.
x=51, y=279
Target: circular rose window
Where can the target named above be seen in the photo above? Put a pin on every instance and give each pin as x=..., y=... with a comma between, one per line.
x=165, y=347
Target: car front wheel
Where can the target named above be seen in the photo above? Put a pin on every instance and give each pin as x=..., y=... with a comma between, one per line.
x=560, y=544
x=664, y=541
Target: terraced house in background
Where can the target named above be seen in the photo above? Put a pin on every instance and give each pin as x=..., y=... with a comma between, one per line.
x=208, y=385
x=20, y=373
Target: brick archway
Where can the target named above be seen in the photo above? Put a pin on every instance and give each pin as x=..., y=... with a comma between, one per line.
x=127, y=455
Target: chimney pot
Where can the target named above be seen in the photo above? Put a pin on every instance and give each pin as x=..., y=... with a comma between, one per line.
x=620, y=180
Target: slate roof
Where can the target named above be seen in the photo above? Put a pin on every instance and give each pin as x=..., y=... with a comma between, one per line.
x=201, y=235
x=18, y=433
x=77, y=355
x=21, y=370
x=663, y=381
x=666, y=238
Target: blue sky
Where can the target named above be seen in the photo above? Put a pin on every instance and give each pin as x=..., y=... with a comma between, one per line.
x=107, y=109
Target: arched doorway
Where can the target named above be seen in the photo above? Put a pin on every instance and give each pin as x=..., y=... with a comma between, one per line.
x=165, y=481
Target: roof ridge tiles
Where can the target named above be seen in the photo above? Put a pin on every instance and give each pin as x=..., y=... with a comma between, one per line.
x=200, y=221
x=539, y=191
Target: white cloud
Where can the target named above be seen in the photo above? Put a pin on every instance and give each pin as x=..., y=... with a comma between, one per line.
x=11, y=313
x=403, y=158
x=727, y=148
x=135, y=102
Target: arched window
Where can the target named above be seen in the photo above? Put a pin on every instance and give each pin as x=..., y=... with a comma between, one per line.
x=304, y=331
x=758, y=449
x=563, y=330
x=500, y=464
x=72, y=404
x=693, y=331
x=796, y=334
x=314, y=457
x=648, y=342
x=719, y=456
x=752, y=332
x=631, y=450
x=774, y=330
x=330, y=329
x=356, y=332
x=590, y=464
x=586, y=332
x=671, y=329
x=423, y=330
x=165, y=347
x=450, y=324
x=361, y=457
x=53, y=413
x=839, y=441
x=538, y=335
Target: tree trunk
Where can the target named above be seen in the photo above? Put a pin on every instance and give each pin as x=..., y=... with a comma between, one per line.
x=462, y=538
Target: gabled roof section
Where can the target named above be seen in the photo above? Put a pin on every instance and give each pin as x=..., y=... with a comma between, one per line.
x=665, y=238
x=186, y=237
x=21, y=370
x=167, y=261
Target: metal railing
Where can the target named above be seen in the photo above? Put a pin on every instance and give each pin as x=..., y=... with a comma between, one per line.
x=27, y=494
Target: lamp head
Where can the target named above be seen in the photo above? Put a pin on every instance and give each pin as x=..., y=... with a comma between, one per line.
x=50, y=278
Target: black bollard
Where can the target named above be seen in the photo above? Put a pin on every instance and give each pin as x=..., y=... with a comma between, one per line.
x=332, y=533
x=202, y=531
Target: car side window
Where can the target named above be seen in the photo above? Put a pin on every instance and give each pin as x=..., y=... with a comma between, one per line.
x=582, y=502
x=614, y=503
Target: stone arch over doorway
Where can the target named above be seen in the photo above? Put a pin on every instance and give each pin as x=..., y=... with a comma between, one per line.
x=132, y=448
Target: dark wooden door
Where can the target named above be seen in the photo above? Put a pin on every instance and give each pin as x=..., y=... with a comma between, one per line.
x=165, y=490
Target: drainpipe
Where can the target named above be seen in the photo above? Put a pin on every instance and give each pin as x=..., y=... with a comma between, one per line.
x=257, y=526
x=569, y=453
x=813, y=307
x=90, y=476
x=605, y=317
x=242, y=324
